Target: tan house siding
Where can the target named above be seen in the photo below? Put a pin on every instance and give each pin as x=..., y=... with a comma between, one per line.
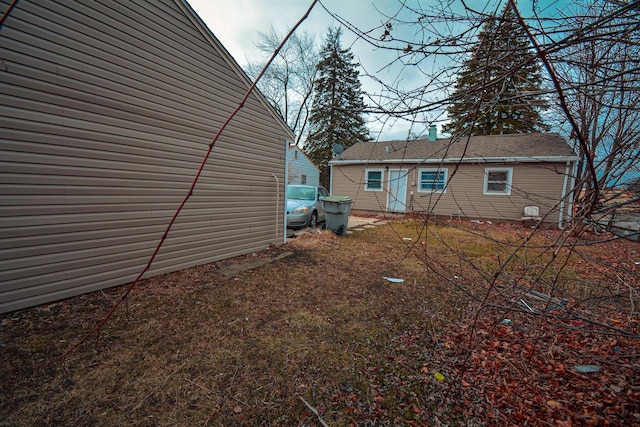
x=532, y=184
x=349, y=180
x=537, y=184
x=107, y=111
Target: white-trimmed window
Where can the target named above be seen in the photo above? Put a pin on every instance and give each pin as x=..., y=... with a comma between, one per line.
x=432, y=180
x=497, y=180
x=374, y=179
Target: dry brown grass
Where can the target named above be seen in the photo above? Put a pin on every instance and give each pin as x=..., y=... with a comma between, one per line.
x=195, y=348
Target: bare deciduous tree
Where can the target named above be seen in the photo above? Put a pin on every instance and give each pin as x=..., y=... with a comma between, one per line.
x=598, y=66
x=288, y=83
x=591, y=53
x=591, y=58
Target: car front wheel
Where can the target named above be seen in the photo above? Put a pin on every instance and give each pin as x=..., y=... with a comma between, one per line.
x=313, y=223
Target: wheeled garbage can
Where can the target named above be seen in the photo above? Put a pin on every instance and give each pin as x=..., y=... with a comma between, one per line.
x=337, y=210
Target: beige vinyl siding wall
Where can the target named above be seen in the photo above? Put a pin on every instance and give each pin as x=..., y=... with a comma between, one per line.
x=350, y=180
x=107, y=109
x=538, y=184
x=532, y=184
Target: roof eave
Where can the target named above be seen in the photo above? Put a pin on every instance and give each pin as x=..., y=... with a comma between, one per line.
x=531, y=159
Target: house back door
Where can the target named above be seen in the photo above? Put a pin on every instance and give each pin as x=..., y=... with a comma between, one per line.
x=396, y=200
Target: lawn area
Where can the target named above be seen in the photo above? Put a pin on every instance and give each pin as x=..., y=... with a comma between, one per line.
x=491, y=325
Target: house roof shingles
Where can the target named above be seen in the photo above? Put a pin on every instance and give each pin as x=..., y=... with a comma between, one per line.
x=514, y=147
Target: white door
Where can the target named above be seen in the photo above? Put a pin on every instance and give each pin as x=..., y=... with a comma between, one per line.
x=397, y=196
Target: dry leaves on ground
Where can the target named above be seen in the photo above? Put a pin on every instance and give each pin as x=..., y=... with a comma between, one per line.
x=197, y=348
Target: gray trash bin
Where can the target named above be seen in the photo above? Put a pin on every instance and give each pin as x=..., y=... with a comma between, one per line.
x=337, y=209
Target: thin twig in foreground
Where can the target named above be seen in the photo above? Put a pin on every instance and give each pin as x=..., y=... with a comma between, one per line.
x=315, y=411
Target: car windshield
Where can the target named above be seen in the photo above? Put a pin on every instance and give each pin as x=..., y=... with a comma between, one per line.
x=301, y=193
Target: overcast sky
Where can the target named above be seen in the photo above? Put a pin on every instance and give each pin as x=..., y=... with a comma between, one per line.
x=236, y=24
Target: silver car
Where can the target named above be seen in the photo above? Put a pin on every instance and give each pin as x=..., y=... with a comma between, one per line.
x=304, y=206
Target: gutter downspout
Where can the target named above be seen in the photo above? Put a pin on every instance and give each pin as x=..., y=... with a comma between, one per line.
x=563, y=195
x=277, y=204
x=574, y=171
x=286, y=184
x=330, y=178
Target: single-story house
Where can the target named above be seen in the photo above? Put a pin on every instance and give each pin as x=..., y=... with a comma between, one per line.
x=482, y=177
x=107, y=111
x=300, y=169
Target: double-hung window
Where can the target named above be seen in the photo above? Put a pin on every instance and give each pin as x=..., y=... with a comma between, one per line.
x=497, y=180
x=433, y=180
x=374, y=180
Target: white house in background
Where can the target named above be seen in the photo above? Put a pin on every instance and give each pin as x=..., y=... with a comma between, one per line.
x=300, y=169
x=107, y=111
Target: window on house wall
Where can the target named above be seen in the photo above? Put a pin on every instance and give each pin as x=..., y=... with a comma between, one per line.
x=433, y=180
x=295, y=154
x=374, y=180
x=497, y=180
x=303, y=179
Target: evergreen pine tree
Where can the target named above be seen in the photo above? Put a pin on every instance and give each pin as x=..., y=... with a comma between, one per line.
x=498, y=89
x=336, y=114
